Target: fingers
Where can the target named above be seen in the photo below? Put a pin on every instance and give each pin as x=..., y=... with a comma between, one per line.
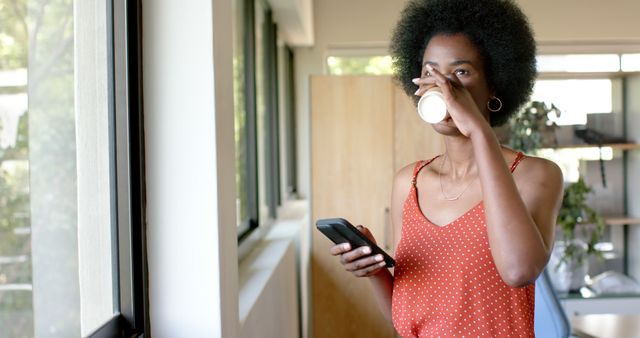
x=339, y=249
x=365, y=266
x=442, y=81
x=353, y=255
x=359, y=261
x=456, y=81
x=363, y=263
x=371, y=270
x=446, y=84
x=424, y=84
x=365, y=231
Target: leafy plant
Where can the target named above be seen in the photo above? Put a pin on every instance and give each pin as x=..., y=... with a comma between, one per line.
x=528, y=127
x=576, y=214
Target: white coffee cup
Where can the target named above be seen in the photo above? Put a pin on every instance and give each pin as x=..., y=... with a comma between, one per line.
x=431, y=106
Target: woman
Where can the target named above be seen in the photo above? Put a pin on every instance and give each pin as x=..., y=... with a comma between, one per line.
x=474, y=226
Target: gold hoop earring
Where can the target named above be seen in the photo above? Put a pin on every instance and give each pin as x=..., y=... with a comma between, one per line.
x=493, y=110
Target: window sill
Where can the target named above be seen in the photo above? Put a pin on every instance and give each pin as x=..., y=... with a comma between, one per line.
x=268, y=277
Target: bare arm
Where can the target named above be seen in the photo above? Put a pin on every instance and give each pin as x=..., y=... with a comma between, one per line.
x=520, y=219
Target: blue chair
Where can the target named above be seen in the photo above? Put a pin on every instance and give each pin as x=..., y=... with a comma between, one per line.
x=550, y=321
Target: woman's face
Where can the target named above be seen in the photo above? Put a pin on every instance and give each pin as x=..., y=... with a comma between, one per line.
x=456, y=54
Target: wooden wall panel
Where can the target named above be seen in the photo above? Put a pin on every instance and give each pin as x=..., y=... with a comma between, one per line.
x=352, y=173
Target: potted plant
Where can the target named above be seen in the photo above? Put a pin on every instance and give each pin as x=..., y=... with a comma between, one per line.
x=581, y=229
x=530, y=128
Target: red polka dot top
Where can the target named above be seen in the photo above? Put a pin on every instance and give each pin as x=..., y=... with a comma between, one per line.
x=446, y=283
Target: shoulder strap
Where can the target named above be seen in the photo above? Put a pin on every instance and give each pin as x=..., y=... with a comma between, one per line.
x=519, y=157
x=419, y=165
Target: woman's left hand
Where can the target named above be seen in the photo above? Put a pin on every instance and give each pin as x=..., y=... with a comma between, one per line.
x=460, y=104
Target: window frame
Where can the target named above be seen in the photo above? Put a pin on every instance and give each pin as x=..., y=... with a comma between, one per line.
x=247, y=226
x=269, y=133
x=291, y=178
x=131, y=318
x=272, y=120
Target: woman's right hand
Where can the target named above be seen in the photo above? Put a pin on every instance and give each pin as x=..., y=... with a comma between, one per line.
x=359, y=261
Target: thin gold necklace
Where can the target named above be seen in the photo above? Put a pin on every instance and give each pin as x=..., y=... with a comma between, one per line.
x=442, y=189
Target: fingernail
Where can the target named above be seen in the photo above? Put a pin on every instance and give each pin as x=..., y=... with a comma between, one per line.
x=366, y=250
x=415, y=80
x=378, y=258
x=382, y=264
x=417, y=91
x=346, y=246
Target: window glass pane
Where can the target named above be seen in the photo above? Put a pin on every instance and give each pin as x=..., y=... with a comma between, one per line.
x=578, y=63
x=16, y=287
x=630, y=62
x=359, y=65
x=16, y=309
x=56, y=210
x=16, y=303
x=568, y=96
x=239, y=96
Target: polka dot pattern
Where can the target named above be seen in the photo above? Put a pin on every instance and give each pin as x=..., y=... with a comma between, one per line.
x=446, y=283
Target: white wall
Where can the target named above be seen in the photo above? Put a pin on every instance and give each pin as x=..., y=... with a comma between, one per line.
x=584, y=20
x=188, y=100
x=295, y=20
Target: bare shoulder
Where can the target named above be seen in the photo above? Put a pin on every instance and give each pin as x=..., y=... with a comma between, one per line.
x=536, y=173
x=399, y=192
x=538, y=167
x=405, y=172
x=402, y=178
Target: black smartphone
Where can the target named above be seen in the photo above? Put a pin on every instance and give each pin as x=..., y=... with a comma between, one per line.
x=339, y=230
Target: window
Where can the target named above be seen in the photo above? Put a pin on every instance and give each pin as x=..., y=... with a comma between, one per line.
x=246, y=123
x=267, y=109
x=359, y=65
x=567, y=89
x=288, y=101
x=245, y=117
x=257, y=125
x=568, y=96
x=71, y=220
x=588, y=63
x=578, y=63
x=630, y=62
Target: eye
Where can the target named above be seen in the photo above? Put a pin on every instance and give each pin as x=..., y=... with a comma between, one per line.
x=461, y=72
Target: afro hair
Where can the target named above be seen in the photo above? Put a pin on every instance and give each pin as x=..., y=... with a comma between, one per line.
x=499, y=30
